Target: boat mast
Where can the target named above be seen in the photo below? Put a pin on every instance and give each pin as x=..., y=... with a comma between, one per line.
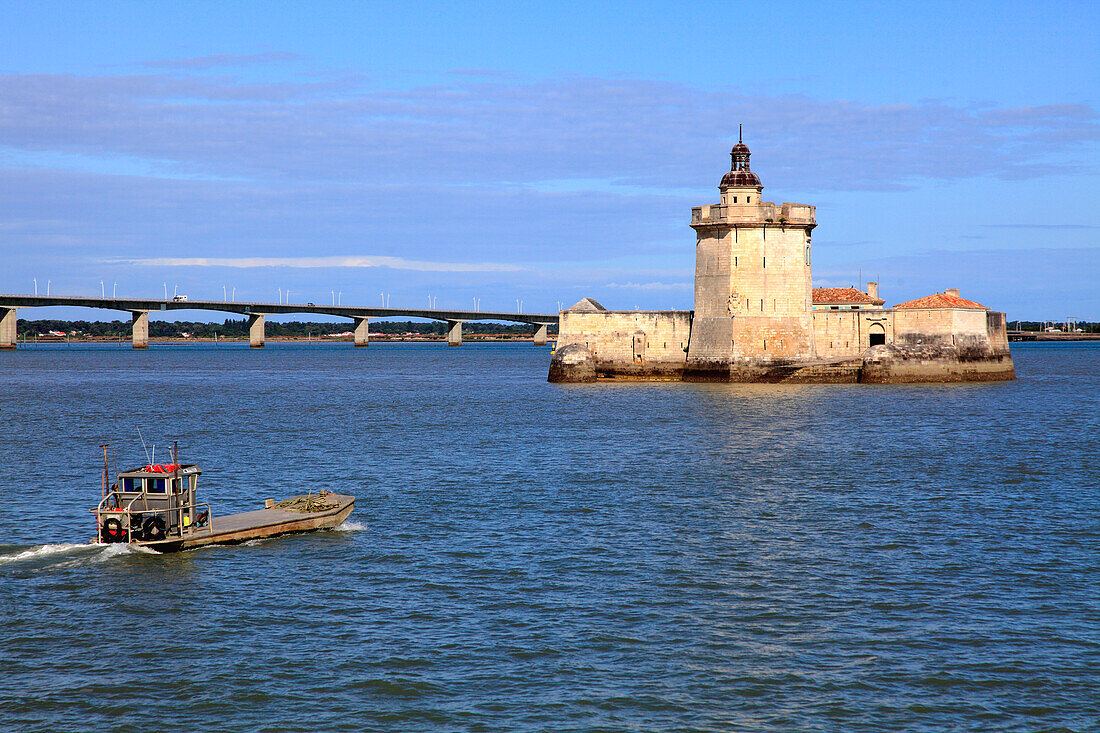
x=106, y=471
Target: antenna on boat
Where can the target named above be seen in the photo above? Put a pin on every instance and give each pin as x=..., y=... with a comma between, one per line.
x=147, y=458
x=106, y=470
x=114, y=457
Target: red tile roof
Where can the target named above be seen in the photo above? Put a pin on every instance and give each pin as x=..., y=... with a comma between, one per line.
x=844, y=296
x=941, y=300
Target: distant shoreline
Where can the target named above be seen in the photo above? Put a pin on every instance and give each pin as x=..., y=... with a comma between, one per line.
x=466, y=338
x=1024, y=336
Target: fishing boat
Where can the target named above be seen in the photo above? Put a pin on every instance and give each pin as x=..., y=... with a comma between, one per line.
x=156, y=506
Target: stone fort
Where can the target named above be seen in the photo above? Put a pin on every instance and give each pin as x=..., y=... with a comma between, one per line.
x=758, y=318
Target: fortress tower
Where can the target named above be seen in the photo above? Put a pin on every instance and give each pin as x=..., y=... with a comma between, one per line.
x=753, y=308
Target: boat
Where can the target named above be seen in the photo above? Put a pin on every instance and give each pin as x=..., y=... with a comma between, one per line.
x=156, y=506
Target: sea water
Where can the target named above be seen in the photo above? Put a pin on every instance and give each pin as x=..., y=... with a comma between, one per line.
x=527, y=556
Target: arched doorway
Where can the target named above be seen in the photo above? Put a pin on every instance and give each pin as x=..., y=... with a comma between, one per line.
x=877, y=334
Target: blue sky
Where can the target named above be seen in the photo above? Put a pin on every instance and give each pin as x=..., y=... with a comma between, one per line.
x=544, y=152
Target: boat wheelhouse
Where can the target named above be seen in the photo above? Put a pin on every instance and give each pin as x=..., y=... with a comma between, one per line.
x=152, y=503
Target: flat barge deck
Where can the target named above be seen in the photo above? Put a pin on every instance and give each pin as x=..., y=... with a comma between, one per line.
x=259, y=524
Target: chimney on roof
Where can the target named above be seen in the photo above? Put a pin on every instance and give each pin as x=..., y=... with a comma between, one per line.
x=872, y=289
x=952, y=291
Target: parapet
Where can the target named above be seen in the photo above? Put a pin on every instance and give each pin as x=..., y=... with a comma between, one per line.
x=765, y=213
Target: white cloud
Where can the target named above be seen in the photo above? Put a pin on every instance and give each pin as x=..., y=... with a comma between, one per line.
x=394, y=263
x=650, y=286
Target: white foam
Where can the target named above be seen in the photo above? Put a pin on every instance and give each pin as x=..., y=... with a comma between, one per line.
x=67, y=554
x=43, y=551
x=350, y=527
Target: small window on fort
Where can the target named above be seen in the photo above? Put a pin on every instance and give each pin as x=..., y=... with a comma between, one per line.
x=807, y=254
x=748, y=199
x=761, y=305
x=735, y=199
x=735, y=261
x=765, y=262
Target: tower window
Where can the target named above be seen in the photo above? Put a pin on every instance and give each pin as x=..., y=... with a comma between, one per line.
x=748, y=199
x=807, y=254
x=735, y=199
x=765, y=262
x=735, y=260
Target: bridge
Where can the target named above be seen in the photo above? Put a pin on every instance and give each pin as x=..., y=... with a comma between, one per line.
x=257, y=312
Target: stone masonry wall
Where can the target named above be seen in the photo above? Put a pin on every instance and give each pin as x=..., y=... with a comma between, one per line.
x=847, y=333
x=640, y=344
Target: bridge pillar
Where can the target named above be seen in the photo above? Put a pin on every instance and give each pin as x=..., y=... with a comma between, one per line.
x=140, y=329
x=8, y=320
x=454, y=333
x=540, y=335
x=255, y=331
x=362, y=332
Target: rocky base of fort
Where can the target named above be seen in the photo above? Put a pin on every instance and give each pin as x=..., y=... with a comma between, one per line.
x=898, y=364
x=893, y=364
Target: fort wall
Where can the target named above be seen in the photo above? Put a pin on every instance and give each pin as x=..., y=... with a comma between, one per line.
x=625, y=344
x=847, y=333
x=942, y=345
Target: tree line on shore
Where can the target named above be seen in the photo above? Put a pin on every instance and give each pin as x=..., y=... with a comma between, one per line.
x=238, y=328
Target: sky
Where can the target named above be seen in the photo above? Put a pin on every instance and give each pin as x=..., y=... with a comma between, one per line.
x=493, y=153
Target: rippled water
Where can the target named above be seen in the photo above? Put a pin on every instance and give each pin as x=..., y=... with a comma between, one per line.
x=527, y=556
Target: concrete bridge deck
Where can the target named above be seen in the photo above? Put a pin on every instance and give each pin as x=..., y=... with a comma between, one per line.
x=256, y=313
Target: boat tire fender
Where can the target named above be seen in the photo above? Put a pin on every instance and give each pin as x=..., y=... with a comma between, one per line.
x=152, y=529
x=112, y=530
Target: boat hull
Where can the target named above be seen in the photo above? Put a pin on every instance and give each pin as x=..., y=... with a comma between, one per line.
x=258, y=524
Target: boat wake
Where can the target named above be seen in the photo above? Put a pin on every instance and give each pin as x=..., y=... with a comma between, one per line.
x=350, y=527
x=64, y=554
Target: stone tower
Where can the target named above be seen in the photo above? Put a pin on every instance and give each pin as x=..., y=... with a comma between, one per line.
x=753, y=309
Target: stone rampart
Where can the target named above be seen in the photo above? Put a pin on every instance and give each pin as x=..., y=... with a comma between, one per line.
x=630, y=344
x=942, y=345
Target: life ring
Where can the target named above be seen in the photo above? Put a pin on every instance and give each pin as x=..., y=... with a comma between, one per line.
x=112, y=530
x=152, y=529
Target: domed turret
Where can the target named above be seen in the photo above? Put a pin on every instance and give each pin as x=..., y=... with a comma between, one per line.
x=740, y=175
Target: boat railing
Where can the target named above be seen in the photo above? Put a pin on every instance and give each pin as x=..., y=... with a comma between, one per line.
x=176, y=529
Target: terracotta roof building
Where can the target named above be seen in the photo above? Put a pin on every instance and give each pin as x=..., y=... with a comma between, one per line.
x=947, y=299
x=847, y=298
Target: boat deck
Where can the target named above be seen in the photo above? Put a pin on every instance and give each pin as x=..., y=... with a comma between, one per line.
x=260, y=523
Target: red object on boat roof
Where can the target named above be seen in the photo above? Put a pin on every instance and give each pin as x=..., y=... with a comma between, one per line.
x=161, y=468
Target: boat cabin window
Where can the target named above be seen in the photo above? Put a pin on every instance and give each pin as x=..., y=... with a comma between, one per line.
x=155, y=485
x=128, y=485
